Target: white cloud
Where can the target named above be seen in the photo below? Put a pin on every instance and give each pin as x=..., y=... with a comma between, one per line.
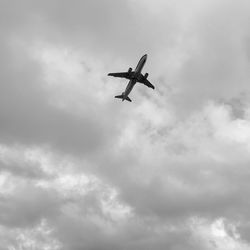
x=38, y=237
x=218, y=234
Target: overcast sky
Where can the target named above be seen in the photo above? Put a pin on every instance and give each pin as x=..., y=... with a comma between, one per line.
x=80, y=170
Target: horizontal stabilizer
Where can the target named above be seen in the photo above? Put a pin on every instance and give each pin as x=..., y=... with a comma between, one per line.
x=122, y=97
x=119, y=96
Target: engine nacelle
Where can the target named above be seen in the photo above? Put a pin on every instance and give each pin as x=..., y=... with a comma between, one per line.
x=129, y=70
x=146, y=75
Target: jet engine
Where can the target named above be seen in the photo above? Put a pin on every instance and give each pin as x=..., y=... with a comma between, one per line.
x=129, y=70
x=146, y=75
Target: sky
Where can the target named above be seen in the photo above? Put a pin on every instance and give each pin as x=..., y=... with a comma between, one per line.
x=81, y=170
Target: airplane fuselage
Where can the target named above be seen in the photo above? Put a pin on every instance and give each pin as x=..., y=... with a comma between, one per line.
x=133, y=77
x=136, y=73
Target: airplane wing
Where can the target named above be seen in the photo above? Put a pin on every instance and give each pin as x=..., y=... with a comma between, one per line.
x=120, y=74
x=146, y=82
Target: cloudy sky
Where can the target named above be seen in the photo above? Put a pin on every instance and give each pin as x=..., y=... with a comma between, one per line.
x=80, y=170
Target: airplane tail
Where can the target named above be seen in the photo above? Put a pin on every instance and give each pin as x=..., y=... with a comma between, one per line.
x=122, y=97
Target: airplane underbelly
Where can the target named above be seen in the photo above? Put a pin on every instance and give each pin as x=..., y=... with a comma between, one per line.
x=140, y=65
x=130, y=87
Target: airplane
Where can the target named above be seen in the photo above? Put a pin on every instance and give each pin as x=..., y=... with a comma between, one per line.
x=133, y=77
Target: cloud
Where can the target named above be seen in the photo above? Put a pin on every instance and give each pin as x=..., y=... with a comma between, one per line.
x=79, y=170
x=40, y=236
x=219, y=234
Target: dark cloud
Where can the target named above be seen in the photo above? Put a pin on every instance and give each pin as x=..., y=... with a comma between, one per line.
x=27, y=206
x=27, y=171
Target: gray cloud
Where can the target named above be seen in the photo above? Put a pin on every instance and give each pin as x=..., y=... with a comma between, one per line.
x=27, y=116
x=27, y=207
x=175, y=154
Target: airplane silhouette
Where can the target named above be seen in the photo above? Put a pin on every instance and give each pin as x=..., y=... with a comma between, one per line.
x=134, y=77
